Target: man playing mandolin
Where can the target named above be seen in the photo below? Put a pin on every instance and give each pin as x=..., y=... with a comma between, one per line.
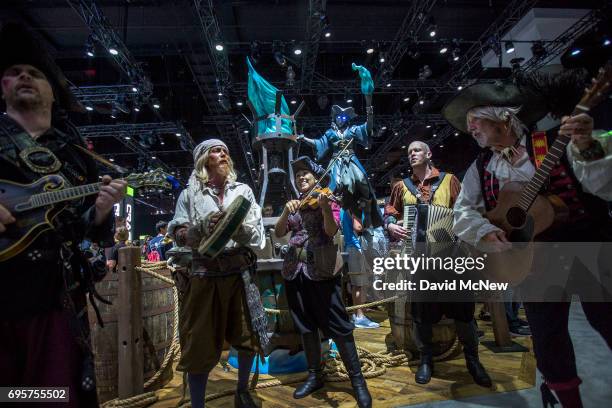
x=44, y=329
x=214, y=307
x=498, y=116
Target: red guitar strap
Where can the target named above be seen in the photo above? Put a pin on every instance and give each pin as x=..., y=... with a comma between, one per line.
x=540, y=147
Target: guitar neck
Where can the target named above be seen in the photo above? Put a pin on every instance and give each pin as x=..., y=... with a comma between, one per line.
x=67, y=194
x=551, y=159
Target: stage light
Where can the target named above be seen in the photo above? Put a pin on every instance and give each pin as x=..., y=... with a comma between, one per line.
x=327, y=34
x=456, y=133
x=280, y=58
x=459, y=87
x=388, y=84
x=456, y=54
x=606, y=42
x=509, y=47
x=575, y=52
x=246, y=132
x=126, y=137
x=134, y=89
x=421, y=101
x=162, y=143
x=432, y=28
x=154, y=157
x=90, y=47
x=406, y=99
x=384, y=128
x=178, y=134
x=443, y=49
x=156, y=105
x=239, y=103
x=113, y=51
x=381, y=58
x=219, y=47
x=89, y=108
x=293, y=101
x=428, y=126
x=297, y=51
x=349, y=100
x=136, y=109
x=220, y=94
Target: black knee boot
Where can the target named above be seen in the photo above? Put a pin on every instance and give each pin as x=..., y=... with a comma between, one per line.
x=350, y=358
x=476, y=369
x=312, y=350
x=423, y=335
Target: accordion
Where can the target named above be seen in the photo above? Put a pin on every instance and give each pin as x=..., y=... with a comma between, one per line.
x=431, y=229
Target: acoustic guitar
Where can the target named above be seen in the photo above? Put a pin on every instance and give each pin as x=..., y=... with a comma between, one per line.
x=36, y=205
x=522, y=212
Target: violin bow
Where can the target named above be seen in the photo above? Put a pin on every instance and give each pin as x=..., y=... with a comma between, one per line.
x=329, y=166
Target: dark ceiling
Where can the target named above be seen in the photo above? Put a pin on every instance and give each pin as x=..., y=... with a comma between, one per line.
x=166, y=37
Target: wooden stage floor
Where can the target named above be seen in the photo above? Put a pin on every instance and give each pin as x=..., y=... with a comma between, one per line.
x=509, y=371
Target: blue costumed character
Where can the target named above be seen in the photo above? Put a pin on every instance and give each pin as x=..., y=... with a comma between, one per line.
x=349, y=179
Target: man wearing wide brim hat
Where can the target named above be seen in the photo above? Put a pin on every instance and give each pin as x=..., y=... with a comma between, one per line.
x=498, y=116
x=44, y=335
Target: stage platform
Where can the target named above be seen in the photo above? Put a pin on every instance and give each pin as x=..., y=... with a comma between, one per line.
x=396, y=387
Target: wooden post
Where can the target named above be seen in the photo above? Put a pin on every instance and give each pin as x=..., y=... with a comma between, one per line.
x=129, y=324
x=500, y=324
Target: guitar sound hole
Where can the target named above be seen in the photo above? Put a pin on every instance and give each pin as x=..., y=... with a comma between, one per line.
x=516, y=217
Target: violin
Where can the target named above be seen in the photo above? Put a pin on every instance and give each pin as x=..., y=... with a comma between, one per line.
x=311, y=200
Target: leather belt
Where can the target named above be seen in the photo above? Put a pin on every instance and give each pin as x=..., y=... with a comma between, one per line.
x=229, y=262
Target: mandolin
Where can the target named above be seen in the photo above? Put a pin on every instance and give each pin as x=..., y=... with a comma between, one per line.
x=36, y=205
x=522, y=212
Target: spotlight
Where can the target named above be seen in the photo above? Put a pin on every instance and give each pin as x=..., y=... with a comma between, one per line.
x=239, y=103
x=111, y=159
x=154, y=157
x=575, y=52
x=178, y=134
x=255, y=52
x=456, y=133
x=113, y=51
x=219, y=47
x=349, y=100
x=381, y=58
x=456, y=53
x=388, y=85
x=459, y=87
x=136, y=109
x=421, y=101
x=297, y=51
x=384, y=128
x=432, y=28
x=538, y=50
x=606, y=42
x=428, y=126
x=370, y=50
x=126, y=137
x=293, y=101
x=444, y=48
x=156, y=105
x=406, y=99
x=509, y=47
x=327, y=34
x=280, y=58
x=90, y=48
x=134, y=89
x=89, y=108
x=290, y=77
x=245, y=131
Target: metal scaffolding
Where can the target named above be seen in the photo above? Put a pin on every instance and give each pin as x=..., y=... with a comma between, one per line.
x=314, y=30
x=102, y=32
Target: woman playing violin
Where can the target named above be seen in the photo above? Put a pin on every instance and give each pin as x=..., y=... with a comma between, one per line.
x=313, y=287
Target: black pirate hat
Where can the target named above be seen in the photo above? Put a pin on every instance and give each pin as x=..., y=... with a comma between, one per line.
x=18, y=45
x=306, y=163
x=339, y=110
x=499, y=94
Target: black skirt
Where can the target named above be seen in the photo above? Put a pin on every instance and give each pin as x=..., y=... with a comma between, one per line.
x=317, y=305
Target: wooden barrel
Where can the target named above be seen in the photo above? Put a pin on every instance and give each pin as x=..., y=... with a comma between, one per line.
x=157, y=315
x=273, y=296
x=444, y=333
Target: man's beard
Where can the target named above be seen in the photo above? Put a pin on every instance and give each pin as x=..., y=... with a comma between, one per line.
x=223, y=170
x=23, y=103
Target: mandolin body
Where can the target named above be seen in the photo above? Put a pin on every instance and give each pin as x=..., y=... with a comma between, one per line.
x=30, y=223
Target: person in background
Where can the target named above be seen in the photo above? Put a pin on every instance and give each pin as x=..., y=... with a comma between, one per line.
x=157, y=246
x=121, y=236
x=352, y=228
x=268, y=210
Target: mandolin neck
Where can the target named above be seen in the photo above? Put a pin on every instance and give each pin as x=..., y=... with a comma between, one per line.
x=67, y=194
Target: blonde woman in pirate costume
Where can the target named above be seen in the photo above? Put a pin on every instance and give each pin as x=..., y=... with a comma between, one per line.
x=214, y=304
x=314, y=291
x=44, y=328
x=497, y=116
